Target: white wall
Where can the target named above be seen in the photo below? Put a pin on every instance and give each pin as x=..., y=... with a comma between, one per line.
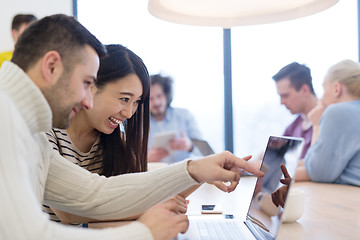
x=40, y=8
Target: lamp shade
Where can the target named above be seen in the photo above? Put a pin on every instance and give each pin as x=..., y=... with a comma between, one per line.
x=229, y=13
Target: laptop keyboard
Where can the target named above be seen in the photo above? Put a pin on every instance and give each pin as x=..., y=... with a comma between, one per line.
x=218, y=230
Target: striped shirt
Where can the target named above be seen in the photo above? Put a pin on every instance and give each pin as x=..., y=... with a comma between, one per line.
x=91, y=160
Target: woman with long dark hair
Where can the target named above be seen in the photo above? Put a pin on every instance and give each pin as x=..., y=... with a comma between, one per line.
x=112, y=137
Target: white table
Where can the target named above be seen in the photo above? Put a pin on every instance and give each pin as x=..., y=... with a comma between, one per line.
x=331, y=212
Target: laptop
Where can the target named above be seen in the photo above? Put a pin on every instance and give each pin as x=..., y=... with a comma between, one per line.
x=202, y=146
x=263, y=218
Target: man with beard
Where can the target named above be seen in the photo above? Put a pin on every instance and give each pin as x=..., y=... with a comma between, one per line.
x=47, y=82
x=165, y=118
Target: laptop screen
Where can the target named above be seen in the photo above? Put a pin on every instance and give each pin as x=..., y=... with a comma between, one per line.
x=262, y=211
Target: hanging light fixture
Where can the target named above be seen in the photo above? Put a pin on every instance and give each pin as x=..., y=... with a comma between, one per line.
x=229, y=13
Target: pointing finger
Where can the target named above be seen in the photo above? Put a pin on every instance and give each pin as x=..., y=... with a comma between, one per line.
x=247, y=157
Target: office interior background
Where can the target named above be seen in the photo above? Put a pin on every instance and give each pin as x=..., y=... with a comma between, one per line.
x=193, y=56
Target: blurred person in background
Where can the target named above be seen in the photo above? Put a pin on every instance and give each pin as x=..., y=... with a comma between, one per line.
x=334, y=154
x=19, y=23
x=294, y=86
x=165, y=118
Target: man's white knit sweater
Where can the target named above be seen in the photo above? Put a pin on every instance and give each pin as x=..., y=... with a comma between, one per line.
x=31, y=173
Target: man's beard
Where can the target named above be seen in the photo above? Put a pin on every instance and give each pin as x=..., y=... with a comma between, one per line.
x=158, y=113
x=55, y=97
x=61, y=118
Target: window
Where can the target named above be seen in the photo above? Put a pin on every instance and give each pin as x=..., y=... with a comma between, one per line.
x=193, y=57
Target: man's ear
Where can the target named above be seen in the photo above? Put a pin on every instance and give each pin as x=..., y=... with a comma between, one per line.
x=15, y=34
x=305, y=88
x=52, y=67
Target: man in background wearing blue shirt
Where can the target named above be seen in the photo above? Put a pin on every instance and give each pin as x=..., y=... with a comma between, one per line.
x=165, y=118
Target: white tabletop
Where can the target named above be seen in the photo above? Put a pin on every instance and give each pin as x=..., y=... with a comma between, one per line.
x=332, y=211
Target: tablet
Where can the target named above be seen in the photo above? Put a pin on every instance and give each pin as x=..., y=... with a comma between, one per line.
x=161, y=140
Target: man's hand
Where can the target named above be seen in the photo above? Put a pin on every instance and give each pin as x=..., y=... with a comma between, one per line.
x=225, y=187
x=230, y=186
x=164, y=220
x=156, y=154
x=223, y=167
x=183, y=143
x=181, y=202
x=279, y=196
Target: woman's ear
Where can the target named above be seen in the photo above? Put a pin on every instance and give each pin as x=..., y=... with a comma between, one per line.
x=52, y=67
x=338, y=89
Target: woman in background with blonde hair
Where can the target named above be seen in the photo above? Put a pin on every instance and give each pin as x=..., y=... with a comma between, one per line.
x=334, y=155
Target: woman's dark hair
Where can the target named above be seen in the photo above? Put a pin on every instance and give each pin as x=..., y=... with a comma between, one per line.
x=125, y=152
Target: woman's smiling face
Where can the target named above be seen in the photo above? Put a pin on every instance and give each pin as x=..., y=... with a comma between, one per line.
x=114, y=103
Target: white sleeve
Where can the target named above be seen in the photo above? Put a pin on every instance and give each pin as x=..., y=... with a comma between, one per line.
x=21, y=216
x=73, y=189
